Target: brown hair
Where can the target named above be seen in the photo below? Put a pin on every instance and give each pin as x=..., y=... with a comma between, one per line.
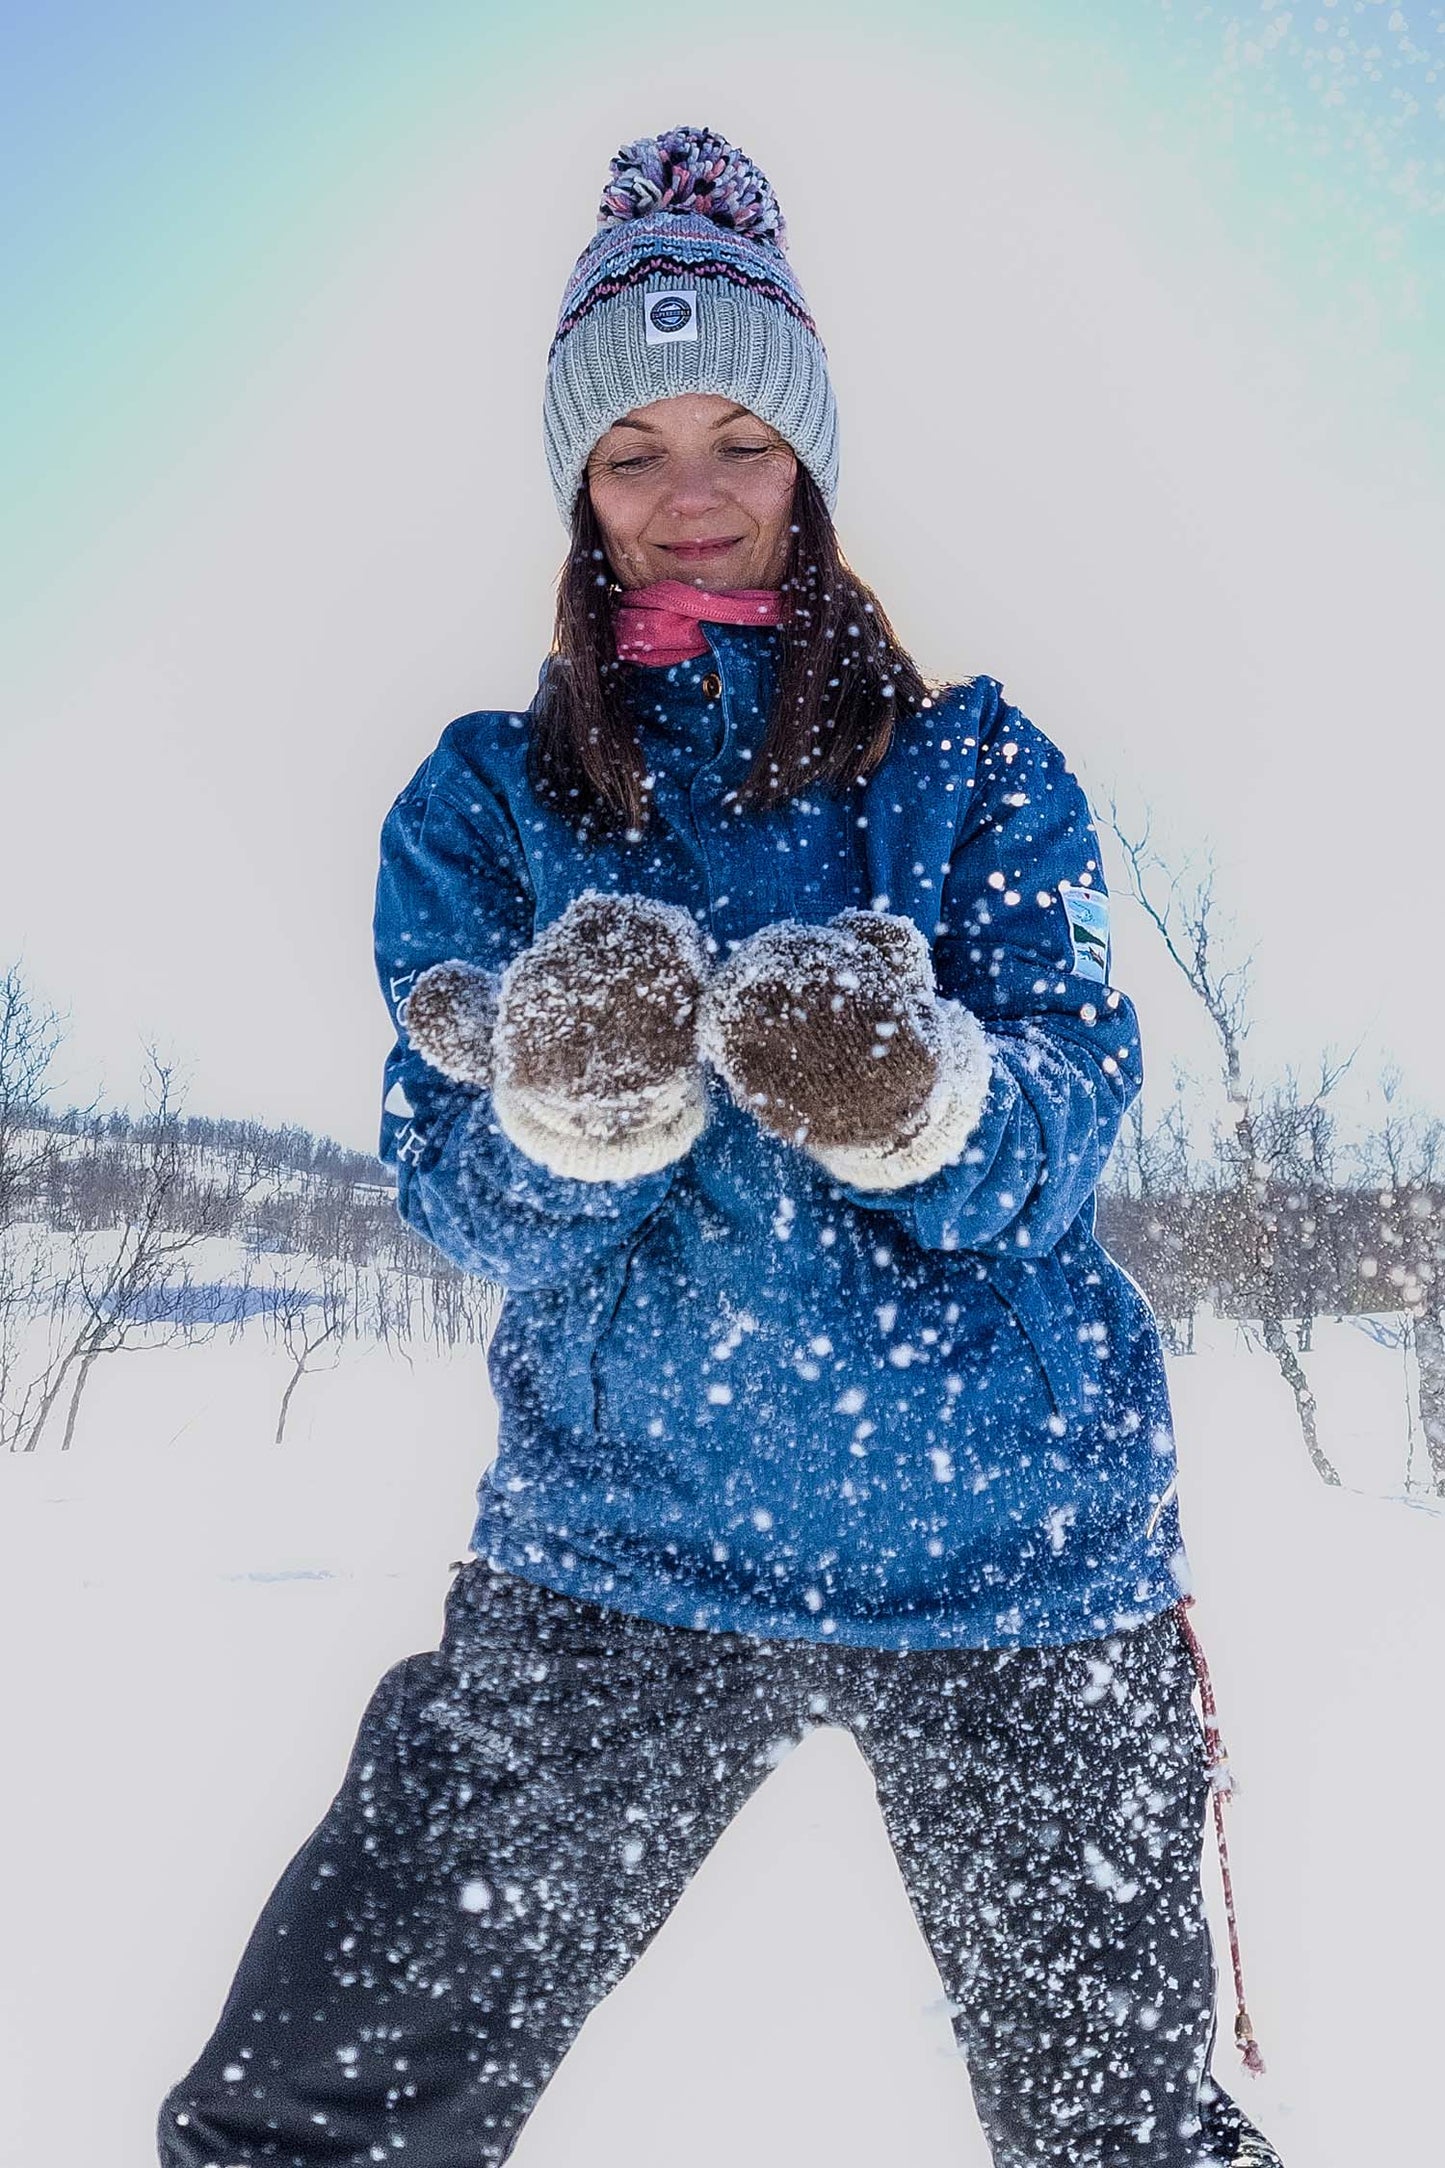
x=843, y=678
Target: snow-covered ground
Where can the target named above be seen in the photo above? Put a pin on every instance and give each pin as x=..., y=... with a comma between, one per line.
x=193, y=1619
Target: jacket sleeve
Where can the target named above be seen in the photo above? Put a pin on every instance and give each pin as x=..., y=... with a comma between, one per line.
x=1024, y=945
x=453, y=883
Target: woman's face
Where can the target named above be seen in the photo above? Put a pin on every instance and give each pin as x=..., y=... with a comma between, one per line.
x=694, y=488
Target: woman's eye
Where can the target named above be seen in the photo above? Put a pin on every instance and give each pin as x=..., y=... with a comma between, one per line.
x=639, y=462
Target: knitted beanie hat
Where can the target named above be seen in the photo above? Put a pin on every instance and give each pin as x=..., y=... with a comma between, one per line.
x=685, y=288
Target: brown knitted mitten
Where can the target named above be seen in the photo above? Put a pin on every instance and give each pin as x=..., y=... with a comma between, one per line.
x=449, y=1017
x=835, y=1038
x=597, y=1073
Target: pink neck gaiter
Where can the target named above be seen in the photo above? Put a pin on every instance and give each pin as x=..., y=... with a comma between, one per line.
x=662, y=623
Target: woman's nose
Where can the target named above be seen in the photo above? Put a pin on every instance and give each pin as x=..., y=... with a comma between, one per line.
x=695, y=486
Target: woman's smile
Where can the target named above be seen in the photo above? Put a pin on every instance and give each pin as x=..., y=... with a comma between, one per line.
x=690, y=550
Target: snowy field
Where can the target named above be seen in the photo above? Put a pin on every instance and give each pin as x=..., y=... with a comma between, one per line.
x=193, y=1619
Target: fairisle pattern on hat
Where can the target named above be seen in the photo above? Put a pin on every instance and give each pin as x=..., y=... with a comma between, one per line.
x=642, y=257
x=685, y=287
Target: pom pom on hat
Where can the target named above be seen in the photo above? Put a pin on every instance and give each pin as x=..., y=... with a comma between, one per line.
x=693, y=170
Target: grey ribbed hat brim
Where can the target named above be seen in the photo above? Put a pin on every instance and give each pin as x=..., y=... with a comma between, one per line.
x=754, y=352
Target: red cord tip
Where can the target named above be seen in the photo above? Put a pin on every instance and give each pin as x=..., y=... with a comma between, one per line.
x=1248, y=2045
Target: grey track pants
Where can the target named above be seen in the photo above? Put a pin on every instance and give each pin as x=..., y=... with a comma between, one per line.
x=524, y=1805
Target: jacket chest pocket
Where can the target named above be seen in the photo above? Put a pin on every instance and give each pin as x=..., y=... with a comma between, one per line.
x=815, y=858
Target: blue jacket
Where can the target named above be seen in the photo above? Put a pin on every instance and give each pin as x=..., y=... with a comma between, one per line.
x=737, y=1393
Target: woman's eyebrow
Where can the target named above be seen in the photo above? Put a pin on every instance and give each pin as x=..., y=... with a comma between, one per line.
x=626, y=421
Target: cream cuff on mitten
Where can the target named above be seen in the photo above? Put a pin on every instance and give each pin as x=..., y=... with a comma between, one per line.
x=606, y=1141
x=949, y=1118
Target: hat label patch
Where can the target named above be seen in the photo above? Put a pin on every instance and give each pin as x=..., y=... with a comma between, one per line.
x=670, y=316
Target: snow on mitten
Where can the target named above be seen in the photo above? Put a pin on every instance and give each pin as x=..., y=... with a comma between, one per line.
x=449, y=1016
x=835, y=1037
x=597, y=1074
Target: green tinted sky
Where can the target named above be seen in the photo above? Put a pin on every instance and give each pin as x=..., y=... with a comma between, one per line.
x=179, y=176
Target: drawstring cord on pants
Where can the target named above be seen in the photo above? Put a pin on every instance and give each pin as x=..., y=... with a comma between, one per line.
x=1221, y=1786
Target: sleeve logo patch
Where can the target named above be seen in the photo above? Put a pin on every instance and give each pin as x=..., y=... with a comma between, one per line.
x=411, y=1146
x=1087, y=911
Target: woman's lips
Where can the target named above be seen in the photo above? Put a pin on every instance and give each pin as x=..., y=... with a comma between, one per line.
x=701, y=549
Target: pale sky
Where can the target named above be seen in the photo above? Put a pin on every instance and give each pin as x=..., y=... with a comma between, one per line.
x=1143, y=450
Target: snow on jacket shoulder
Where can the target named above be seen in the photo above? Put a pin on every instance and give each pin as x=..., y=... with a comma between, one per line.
x=739, y=1393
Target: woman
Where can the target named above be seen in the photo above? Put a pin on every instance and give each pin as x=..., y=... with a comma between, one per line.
x=755, y=1034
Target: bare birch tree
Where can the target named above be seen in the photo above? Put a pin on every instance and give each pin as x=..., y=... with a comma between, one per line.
x=1183, y=914
x=36, y=1271
x=304, y=1320
x=1405, y=1154
x=138, y=1277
